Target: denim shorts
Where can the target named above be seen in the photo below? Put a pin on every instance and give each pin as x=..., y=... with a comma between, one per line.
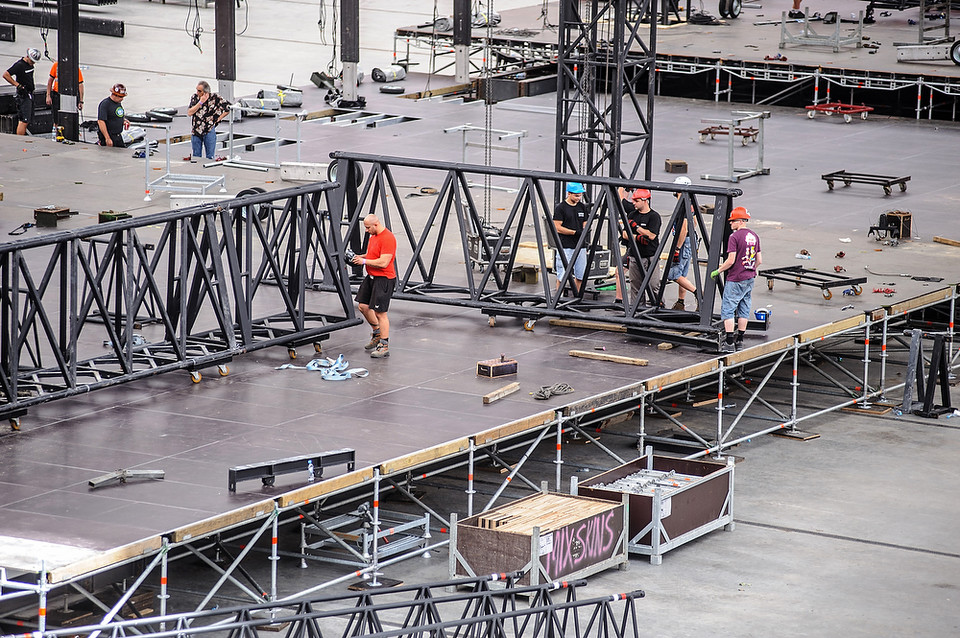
x=680, y=268
x=737, y=299
x=579, y=264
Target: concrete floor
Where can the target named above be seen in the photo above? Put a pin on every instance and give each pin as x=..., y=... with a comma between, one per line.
x=851, y=533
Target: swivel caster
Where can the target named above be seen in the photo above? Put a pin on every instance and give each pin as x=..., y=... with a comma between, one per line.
x=223, y=369
x=318, y=347
x=827, y=294
x=492, y=321
x=195, y=376
x=528, y=324
x=292, y=353
x=15, y=424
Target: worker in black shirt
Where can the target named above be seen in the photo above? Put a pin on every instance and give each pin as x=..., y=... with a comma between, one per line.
x=20, y=75
x=111, y=118
x=643, y=226
x=569, y=219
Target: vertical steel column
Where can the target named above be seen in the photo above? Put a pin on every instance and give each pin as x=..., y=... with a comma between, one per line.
x=559, y=455
x=643, y=433
x=883, y=358
x=720, y=373
x=461, y=40
x=350, y=47
x=42, y=605
x=225, y=20
x=471, y=464
x=375, y=571
x=68, y=69
x=274, y=559
x=795, y=384
x=163, y=596
x=864, y=403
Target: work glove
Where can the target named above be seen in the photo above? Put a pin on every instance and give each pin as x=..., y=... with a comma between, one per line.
x=715, y=274
x=676, y=257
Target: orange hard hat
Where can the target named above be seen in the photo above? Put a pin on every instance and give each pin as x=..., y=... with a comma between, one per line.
x=641, y=193
x=119, y=89
x=739, y=213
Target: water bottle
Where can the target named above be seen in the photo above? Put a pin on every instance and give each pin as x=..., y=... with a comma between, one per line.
x=802, y=256
x=53, y=132
x=310, y=471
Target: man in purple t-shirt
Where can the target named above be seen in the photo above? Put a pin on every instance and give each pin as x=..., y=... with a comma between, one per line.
x=743, y=259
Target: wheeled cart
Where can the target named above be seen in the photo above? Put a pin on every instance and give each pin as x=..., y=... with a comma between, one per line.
x=839, y=108
x=804, y=277
x=745, y=133
x=886, y=181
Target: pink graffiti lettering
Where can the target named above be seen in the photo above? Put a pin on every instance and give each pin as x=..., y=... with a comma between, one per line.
x=576, y=546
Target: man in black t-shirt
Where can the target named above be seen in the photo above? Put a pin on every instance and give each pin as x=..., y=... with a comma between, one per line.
x=570, y=218
x=643, y=226
x=20, y=75
x=110, y=118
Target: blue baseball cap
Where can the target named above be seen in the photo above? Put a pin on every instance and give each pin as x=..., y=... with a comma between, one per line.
x=575, y=187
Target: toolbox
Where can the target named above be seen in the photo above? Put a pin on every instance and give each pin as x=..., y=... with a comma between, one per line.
x=675, y=166
x=49, y=215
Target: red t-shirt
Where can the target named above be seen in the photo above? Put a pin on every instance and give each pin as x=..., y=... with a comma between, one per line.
x=382, y=243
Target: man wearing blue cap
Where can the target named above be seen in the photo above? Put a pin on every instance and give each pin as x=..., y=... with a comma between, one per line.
x=570, y=218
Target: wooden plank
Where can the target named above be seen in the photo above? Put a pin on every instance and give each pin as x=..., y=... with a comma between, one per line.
x=919, y=302
x=599, y=401
x=121, y=554
x=223, y=521
x=587, y=325
x=326, y=487
x=403, y=463
x=514, y=427
x=683, y=374
x=613, y=358
x=759, y=350
x=815, y=334
x=496, y=395
x=948, y=242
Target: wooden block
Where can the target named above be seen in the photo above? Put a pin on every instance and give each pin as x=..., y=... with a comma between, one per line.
x=600, y=356
x=948, y=242
x=493, y=368
x=675, y=166
x=697, y=404
x=496, y=395
x=664, y=346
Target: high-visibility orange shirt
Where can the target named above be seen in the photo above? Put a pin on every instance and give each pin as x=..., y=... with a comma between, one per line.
x=381, y=244
x=53, y=74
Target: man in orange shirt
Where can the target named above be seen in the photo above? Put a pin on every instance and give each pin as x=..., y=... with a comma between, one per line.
x=53, y=96
x=376, y=289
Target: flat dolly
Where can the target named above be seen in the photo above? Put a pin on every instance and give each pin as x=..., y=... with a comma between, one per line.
x=839, y=108
x=745, y=133
x=805, y=277
x=886, y=181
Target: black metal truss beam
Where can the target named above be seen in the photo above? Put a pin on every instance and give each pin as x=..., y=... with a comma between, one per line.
x=46, y=18
x=435, y=265
x=602, y=60
x=181, y=290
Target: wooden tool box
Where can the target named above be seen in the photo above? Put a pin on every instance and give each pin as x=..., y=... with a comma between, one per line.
x=49, y=215
x=493, y=368
x=548, y=536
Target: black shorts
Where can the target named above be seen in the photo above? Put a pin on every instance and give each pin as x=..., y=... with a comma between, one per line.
x=25, y=108
x=376, y=292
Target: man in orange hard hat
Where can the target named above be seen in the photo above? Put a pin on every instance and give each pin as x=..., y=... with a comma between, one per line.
x=643, y=229
x=743, y=259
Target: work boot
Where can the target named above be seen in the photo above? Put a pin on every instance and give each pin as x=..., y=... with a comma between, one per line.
x=374, y=341
x=382, y=350
x=795, y=14
x=727, y=348
x=738, y=345
x=679, y=305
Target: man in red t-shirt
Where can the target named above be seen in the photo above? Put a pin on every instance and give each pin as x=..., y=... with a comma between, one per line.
x=375, y=292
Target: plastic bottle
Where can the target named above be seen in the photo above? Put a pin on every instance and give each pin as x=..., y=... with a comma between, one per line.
x=802, y=256
x=310, y=471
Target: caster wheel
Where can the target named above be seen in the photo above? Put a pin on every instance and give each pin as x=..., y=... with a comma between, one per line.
x=15, y=424
x=887, y=190
x=318, y=348
x=703, y=138
x=292, y=353
x=196, y=377
x=492, y=321
x=846, y=182
x=528, y=324
x=827, y=295
x=903, y=187
x=745, y=140
x=769, y=284
x=223, y=370
x=734, y=8
x=830, y=185
x=847, y=118
x=722, y=9
x=955, y=52
x=811, y=114
x=754, y=138
x=863, y=115
x=268, y=481
x=797, y=283
x=857, y=290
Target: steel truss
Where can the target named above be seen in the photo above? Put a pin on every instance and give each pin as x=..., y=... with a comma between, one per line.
x=520, y=612
x=182, y=290
x=603, y=64
x=442, y=272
